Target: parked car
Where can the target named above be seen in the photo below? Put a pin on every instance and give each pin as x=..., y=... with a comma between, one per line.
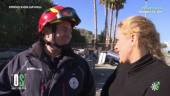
x=112, y=58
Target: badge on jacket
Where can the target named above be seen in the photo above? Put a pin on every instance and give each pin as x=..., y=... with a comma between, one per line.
x=155, y=86
x=74, y=83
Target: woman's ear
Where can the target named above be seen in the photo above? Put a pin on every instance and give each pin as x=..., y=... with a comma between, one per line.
x=134, y=38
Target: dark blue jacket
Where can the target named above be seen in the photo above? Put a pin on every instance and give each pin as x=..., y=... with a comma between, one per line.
x=33, y=73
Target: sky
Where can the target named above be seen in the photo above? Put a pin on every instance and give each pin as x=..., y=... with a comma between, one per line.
x=85, y=11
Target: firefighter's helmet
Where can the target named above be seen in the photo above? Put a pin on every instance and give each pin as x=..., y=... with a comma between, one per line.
x=57, y=14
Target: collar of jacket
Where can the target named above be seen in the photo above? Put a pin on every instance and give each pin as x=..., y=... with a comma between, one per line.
x=37, y=51
x=141, y=63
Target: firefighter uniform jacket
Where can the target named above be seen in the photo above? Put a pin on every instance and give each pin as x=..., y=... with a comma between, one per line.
x=33, y=73
x=146, y=77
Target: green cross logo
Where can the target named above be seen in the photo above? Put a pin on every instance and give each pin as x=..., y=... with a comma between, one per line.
x=155, y=86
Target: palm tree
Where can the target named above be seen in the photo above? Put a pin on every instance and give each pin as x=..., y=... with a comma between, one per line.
x=117, y=5
x=106, y=4
x=111, y=19
x=114, y=5
x=95, y=22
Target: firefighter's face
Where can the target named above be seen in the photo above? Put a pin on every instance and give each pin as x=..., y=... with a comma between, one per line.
x=62, y=34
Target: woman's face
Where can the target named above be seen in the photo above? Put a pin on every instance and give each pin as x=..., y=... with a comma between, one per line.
x=123, y=47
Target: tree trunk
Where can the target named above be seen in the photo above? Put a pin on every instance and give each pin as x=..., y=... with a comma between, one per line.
x=106, y=26
x=95, y=23
x=111, y=24
x=115, y=28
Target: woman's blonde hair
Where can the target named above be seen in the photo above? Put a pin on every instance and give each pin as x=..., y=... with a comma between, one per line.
x=148, y=36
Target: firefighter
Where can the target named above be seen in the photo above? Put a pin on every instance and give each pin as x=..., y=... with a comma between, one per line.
x=49, y=67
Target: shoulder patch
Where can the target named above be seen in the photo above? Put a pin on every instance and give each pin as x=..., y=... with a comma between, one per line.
x=74, y=83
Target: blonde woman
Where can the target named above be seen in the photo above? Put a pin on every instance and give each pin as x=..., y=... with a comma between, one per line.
x=142, y=70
